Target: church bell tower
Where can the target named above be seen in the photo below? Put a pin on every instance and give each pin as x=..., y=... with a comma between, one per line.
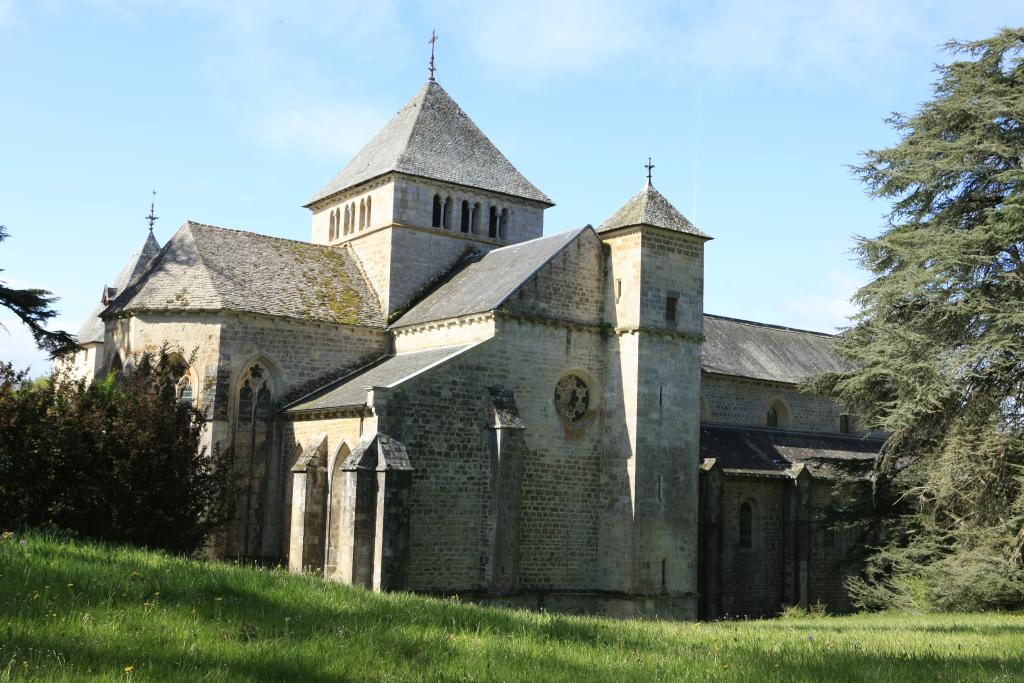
x=655, y=285
x=428, y=190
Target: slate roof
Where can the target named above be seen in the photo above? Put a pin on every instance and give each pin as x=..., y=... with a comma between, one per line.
x=379, y=453
x=649, y=207
x=387, y=371
x=771, y=452
x=432, y=137
x=205, y=268
x=93, y=329
x=486, y=284
x=768, y=352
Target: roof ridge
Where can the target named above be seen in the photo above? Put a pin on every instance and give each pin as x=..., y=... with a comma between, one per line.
x=772, y=326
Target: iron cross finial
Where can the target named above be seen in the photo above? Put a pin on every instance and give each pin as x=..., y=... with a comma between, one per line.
x=152, y=217
x=649, y=166
x=433, y=40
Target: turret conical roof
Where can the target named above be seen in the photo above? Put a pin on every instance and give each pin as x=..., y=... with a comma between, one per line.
x=432, y=137
x=649, y=207
x=92, y=328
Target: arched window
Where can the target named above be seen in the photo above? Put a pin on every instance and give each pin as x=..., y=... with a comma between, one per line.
x=435, y=219
x=446, y=219
x=746, y=525
x=474, y=219
x=362, y=214
x=503, y=225
x=253, y=442
x=369, y=206
x=492, y=221
x=185, y=391
x=348, y=221
x=777, y=415
x=330, y=233
x=465, y=216
x=352, y=207
x=171, y=376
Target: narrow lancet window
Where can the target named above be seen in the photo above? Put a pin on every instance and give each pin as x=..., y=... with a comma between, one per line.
x=362, y=214
x=492, y=222
x=446, y=219
x=474, y=222
x=772, y=419
x=465, y=216
x=369, y=205
x=503, y=225
x=746, y=525
x=435, y=221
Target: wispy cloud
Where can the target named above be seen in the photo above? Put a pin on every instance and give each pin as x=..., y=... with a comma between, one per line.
x=825, y=310
x=794, y=38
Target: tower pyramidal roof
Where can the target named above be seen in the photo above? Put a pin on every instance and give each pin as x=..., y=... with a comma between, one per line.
x=432, y=137
x=649, y=207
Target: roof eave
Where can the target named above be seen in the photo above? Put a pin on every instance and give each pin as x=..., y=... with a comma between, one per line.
x=607, y=231
x=322, y=197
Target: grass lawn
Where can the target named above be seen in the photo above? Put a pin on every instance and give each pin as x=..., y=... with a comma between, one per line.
x=76, y=611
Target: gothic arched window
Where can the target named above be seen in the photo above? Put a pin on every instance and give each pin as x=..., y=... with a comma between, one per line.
x=362, y=214
x=369, y=206
x=746, y=539
x=492, y=222
x=330, y=233
x=772, y=418
x=446, y=218
x=253, y=443
x=465, y=216
x=348, y=221
x=503, y=225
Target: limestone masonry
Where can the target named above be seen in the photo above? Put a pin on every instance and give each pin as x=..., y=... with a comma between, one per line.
x=433, y=396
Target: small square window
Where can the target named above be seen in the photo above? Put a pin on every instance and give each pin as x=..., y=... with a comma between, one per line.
x=670, y=307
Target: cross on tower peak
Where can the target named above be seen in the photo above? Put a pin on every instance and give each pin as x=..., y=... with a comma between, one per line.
x=432, y=41
x=152, y=217
x=649, y=166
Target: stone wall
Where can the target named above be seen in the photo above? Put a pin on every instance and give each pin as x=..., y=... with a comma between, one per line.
x=568, y=287
x=745, y=402
x=752, y=578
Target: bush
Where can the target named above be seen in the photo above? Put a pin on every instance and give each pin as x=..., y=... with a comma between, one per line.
x=118, y=460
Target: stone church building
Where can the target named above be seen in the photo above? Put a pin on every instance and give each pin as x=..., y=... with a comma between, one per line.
x=433, y=395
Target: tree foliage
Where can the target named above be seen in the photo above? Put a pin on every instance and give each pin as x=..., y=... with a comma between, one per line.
x=34, y=308
x=119, y=460
x=938, y=343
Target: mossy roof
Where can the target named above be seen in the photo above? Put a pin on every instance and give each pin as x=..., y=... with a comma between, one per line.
x=206, y=268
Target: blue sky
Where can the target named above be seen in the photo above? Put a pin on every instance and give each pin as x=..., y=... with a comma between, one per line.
x=238, y=111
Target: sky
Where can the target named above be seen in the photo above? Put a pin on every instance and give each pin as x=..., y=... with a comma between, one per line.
x=236, y=112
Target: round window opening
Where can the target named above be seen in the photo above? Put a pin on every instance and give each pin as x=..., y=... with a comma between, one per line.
x=572, y=398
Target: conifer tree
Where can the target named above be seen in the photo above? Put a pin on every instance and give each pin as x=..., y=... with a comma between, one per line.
x=34, y=308
x=938, y=344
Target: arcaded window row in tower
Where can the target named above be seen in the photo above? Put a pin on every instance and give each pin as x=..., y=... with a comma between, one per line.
x=471, y=217
x=346, y=220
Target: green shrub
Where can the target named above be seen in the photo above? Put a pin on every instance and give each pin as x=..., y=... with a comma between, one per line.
x=118, y=460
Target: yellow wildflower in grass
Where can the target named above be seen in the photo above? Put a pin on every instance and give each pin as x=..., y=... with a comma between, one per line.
x=128, y=669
